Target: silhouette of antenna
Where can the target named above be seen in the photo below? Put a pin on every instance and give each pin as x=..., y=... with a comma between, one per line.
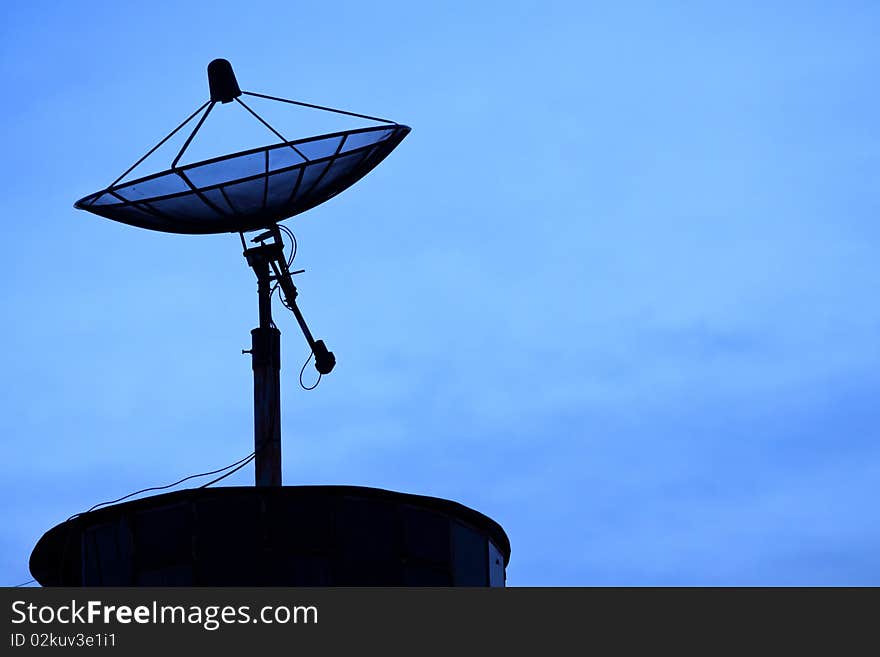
x=268, y=534
x=247, y=191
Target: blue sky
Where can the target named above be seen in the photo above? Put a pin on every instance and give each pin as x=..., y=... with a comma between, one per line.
x=617, y=290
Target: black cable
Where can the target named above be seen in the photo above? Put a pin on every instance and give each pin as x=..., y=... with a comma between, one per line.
x=242, y=461
x=293, y=241
x=253, y=455
x=302, y=371
x=287, y=305
x=290, y=259
x=30, y=581
x=236, y=465
x=294, y=247
x=221, y=477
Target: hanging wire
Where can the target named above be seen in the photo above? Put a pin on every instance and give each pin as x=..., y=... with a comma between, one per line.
x=237, y=465
x=302, y=371
x=241, y=462
x=252, y=456
x=287, y=305
x=30, y=581
x=221, y=477
x=290, y=259
x=293, y=240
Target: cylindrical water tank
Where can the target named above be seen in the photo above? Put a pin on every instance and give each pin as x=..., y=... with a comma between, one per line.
x=276, y=536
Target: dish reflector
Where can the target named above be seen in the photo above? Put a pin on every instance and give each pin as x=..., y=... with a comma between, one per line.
x=247, y=190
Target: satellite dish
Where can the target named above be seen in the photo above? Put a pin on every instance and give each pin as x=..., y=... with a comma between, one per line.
x=270, y=534
x=247, y=190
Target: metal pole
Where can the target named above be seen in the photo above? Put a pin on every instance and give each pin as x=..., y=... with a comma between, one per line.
x=266, y=360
